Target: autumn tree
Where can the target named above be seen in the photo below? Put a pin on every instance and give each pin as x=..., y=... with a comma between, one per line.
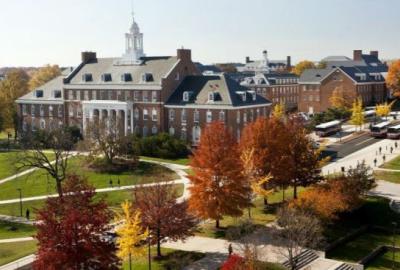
x=165, y=218
x=302, y=66
x=322, y=65
x=14, y=86
x=393, y=78
x=297, y=230
x=218, y=186
x=43, y=75
x=341, y=98
x=131, y=234
x=384, y=109
x=357, y=113
x=71, y=231
x=46, y=150
x=279, y=110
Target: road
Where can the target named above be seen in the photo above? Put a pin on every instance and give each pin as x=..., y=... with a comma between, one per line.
x=340, y=150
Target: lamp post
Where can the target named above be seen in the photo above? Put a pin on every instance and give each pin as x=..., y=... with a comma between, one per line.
x=393, y=246
x=149, y=247
x=20, y=201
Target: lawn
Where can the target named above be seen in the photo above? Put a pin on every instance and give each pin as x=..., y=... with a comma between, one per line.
x=385, y=262
x=114, y=199
x=10, y=252
x=173, y=259
x=180, y=161
x=393, y=164
x=393, y=177
x=10, y=230
x=39, y=183
x=259, y=215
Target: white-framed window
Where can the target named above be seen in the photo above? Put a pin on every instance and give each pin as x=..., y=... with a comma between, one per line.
x=154, y=130
x=210, y=96
x=171, y=115
x=136, y=114
x=183, y=116
x=251, y=115
x=127, y=95
x=154, y=115
x=238, y=117
x=154, y=96
x=42, y=124
x=94, y=95
x=196, y=116
x=51, y=109
x=60, y=111
x=136, y=96
x=60, y=124
x=145, y=114
x=238, y=133
x=258, y=113
x=24, y=110
x=110, y=97
x=244, y=117
x=145, y=97
x=57, y=94
x=171, y=131
x=222, y=116
x=79, y=112
x=71, y=95
x=209, y=117
x=41, y=110
x=78, y=95
x=86, y=95
x=24, y=126
x=183, y=134
x=186, y=96
x=145, y=131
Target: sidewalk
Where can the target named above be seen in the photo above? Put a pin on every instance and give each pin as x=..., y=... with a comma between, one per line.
x=14, y=240
x=16, y=220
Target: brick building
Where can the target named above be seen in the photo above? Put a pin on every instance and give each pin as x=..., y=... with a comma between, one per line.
x=135, y=89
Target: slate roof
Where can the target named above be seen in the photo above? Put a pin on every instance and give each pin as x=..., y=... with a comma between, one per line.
x=226, y=90
x=368, y=71
x=159, y=67
x=314, y=75
x=47, y=88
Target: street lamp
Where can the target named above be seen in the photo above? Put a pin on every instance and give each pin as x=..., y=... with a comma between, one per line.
x=20, y=200
x=394, y=242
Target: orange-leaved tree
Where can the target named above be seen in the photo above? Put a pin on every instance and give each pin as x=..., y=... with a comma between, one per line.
x=393, y=78
x=218, y=185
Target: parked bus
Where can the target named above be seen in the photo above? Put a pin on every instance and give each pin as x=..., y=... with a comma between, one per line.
x=369, y=114
x=394, y=132
x=328, y=128
x=380, y=130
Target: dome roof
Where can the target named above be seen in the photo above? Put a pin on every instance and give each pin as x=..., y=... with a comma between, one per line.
x=134, y=28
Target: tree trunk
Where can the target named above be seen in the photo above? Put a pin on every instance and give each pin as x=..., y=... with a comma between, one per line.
x=217, y=223
x=249, y=210
x=283, y=194
x=295, y=192
x=59, y=188
x=158, y=243
x=265, y=200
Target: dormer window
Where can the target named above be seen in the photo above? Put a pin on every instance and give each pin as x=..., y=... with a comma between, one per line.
x=242, y=95
x=106, y=77
x=57, y=94
x=186, y=96
x=147, y=77
x=253, y=95
x=39, y=93
x=87, y=77
x=211, y=97
x=361, y=76
x=126, y=77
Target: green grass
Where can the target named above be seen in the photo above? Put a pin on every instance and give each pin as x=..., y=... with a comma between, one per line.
x=113, y=198
x=393, y=177
x=385, y=262
x=259, y=215
x=175, y=259
x=180, y=161
x=10, y=230
x=39, y=183
x=393, y=164
x=10, y=252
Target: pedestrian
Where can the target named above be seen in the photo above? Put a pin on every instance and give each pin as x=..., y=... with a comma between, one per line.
x=27, y=214
x=395, y=144
x=375, y=161
x=380, y=150
x=391, y=149
x=119, y=182
x=111, y=183
x=384, y=158
x=230, y=249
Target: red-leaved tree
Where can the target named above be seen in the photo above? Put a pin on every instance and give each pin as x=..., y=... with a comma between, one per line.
x=71, y=230
x=218, y=185
x=234, y=262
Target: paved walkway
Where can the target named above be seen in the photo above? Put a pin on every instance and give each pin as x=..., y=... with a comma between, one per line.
x=16, y=219
x=14, y=240
x=25, y=261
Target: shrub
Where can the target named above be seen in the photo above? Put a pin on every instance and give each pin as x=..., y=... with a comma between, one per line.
x=234, y=262
x=162, y=146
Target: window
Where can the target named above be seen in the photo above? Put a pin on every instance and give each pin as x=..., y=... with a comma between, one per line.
x=209, y=117
x=42, y=124
x=119, y=96
x=60, y=111
x=154, y=115
x=60, y=124
x=106, y=77
x=57, y=94
x=147, y=77
x=71, y=112
x=238, y=134
x=41, y=110
x=171, y=115
x=33, y=126
x=87, y=77
x=258, y=113
x=50, y=110
x=310, y=98
x=145, y=114
x=23, y=109
x=79, y=112
x=244, y=117
x=183, y=134
x=183, y=116
x=222, y=116
x=39, y=93
x=187, y=95
x=94, y=95
x=196, y=116
x=144, y=131
x=71, y=95
x=154, y=130
x=251, y=116
x=136, y=96
x=78, y=95
x=86, y=95
x=317, y=98
x=126, y=77
x=238, y=117
x=110, y=96
x=171, y=131
x=24, y=126
x=145, y=96
x=211, y=97
x=154, y=96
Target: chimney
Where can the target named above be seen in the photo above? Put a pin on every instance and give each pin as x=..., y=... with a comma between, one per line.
x=288, y=62
x=375, y=53
x=88, y=56
x=357, y=55
x=184, y=54
x=247, y=59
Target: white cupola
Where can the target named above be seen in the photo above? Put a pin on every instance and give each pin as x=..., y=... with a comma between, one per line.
x=133, y=46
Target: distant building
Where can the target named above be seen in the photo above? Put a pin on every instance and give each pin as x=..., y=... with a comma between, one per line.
x=2, y=77
x=265, y=65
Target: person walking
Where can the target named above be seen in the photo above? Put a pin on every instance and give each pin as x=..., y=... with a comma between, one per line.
x=27, y=214
x=111, y=183
x=391, y=149
x=384, y=158
x=380, y=150
x=375, y=161
x=230, y=249
x=119, y=183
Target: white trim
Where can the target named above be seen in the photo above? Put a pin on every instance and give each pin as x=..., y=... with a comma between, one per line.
x=45, y=102
x=112, y=87
x=218, y=107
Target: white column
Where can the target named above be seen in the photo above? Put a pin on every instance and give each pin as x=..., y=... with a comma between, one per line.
x=84, y=121
x=126, y=121
x=131, y=111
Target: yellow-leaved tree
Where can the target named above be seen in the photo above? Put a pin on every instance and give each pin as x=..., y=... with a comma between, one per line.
x=279, y=110
x=341, y=98
x=384, y=109
x=131, y=234
x=393, y=78
x=357, y=113
x=302, y=66
x=43, y=75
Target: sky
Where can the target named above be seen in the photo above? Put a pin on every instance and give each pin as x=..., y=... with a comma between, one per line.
x=39, y=32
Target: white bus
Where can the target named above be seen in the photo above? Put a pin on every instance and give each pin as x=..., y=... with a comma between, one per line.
x=380, y=130
x=369, y=113
x=394, y=132
x=328, y=128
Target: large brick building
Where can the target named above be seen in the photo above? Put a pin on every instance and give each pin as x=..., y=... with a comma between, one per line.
x=143, y=93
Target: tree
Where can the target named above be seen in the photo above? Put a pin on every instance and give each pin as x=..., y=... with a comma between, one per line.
x=131, y=234
x=72, y=229
x=304, y=158
x=279, y=110
x=38, y=150
x=384, y=109
x=341, y=98
x=44, y=75
x=163, y=215
x=302, y=66
x=322, y=65
x=298, y=230
x=357, y=113
x=393, y=78
x=234, y=262
x=14, y=86
x=218, y=186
